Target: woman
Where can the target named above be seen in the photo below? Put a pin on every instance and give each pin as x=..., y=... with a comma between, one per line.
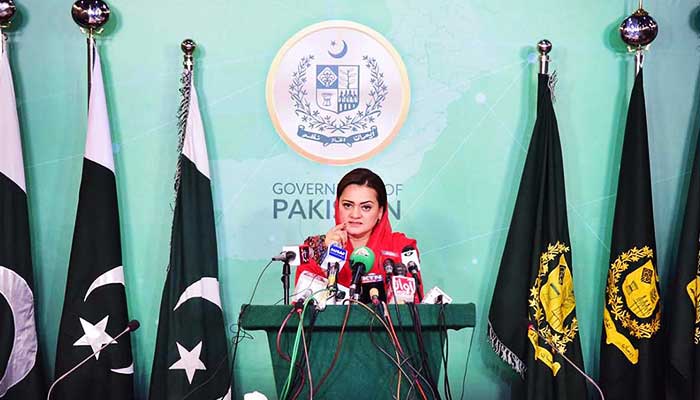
x=361, y=218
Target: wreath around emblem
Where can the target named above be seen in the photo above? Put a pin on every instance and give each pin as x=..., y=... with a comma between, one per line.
x=556, y=340
x=324, y=122
x=616, y=305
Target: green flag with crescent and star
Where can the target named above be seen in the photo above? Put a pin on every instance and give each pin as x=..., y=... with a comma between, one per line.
x=191, y=356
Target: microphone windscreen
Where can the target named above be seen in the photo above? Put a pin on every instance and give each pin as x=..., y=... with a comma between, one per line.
x=362, y=255
x=133, y=325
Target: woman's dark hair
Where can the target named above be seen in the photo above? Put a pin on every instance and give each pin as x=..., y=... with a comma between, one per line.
x=363, y=177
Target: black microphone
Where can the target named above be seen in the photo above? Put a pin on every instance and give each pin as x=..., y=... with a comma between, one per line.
x=531, y=327
x=285, y=256
x=130, y=327
x=399, y=269
x=389, y=268
x=413, y=269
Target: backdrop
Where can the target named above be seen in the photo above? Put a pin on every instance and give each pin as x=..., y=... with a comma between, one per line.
x=455, y=165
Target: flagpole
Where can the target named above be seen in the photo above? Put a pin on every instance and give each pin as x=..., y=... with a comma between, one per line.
x=544, y=46
x=638, y=31
x=188, y=47
x=91, y=16
x=7, y=13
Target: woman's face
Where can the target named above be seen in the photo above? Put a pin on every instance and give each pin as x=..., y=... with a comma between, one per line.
x=359, y=210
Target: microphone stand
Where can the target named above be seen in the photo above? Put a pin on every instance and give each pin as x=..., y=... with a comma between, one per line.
x=286, y=271
x=125, y=331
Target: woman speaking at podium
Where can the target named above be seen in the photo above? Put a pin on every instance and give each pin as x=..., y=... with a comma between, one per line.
x=361, y=219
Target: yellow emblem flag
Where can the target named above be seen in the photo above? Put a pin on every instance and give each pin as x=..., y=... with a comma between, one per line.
x=543, y=354
x=640, y=290
x=557, y=295
x=612, y=336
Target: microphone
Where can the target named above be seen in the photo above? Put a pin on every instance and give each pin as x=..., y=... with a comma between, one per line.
x=285, y=256
x=372, y=281
x=361, y=261
x=335, y=254
x=403, y=288
x=374, y=295
x=413, y=269
x=531, y=327
x=389, y=268
x=400, y=269
x=130, y=327
x=333, y=275
x=409, y=256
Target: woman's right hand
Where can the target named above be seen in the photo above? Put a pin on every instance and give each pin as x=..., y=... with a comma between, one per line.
x=337, y=234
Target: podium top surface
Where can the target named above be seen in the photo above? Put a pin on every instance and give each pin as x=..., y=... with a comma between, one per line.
x=267, y=317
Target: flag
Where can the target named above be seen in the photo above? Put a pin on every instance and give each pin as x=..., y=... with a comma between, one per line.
x=94, y=307
x=21, y=376
x=630, y=359
x=532, y=319
x=191, y=355
x=684, y=319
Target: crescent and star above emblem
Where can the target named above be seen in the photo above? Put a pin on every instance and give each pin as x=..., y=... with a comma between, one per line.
x=342, y=51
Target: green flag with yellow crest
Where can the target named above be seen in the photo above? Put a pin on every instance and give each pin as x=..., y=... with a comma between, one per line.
x=630, y=358
x=532, y=319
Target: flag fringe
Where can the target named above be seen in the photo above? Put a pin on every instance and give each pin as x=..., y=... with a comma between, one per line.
x=505, y=353
x=182, y=114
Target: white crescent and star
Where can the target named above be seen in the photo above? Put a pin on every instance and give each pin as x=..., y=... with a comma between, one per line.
x=113, y=276
x=95, y=335
x=189, y=360
x=22, y=358
x=205, y=288
x=341, y=53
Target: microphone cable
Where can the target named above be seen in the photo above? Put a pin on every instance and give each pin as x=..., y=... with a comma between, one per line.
x=466, y=366
x=417, y=327
x=407, y=358
x=445, y=351
x=238, y=338
x=307, y=342
x=396, y=361
x=295, y=351
x=400, y=358
x=337, y=347
x=279, y=335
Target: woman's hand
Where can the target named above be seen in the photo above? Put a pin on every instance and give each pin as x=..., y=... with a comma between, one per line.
x=337, y=234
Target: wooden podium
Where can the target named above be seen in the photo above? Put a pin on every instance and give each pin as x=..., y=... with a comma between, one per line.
x=361, y=370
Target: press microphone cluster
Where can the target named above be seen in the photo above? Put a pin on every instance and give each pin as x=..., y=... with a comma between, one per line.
x=130, y=327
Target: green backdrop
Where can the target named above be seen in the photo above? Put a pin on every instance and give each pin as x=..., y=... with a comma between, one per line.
x=458, y=157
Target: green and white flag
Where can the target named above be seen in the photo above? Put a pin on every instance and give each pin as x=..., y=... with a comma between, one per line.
x=191, y=357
